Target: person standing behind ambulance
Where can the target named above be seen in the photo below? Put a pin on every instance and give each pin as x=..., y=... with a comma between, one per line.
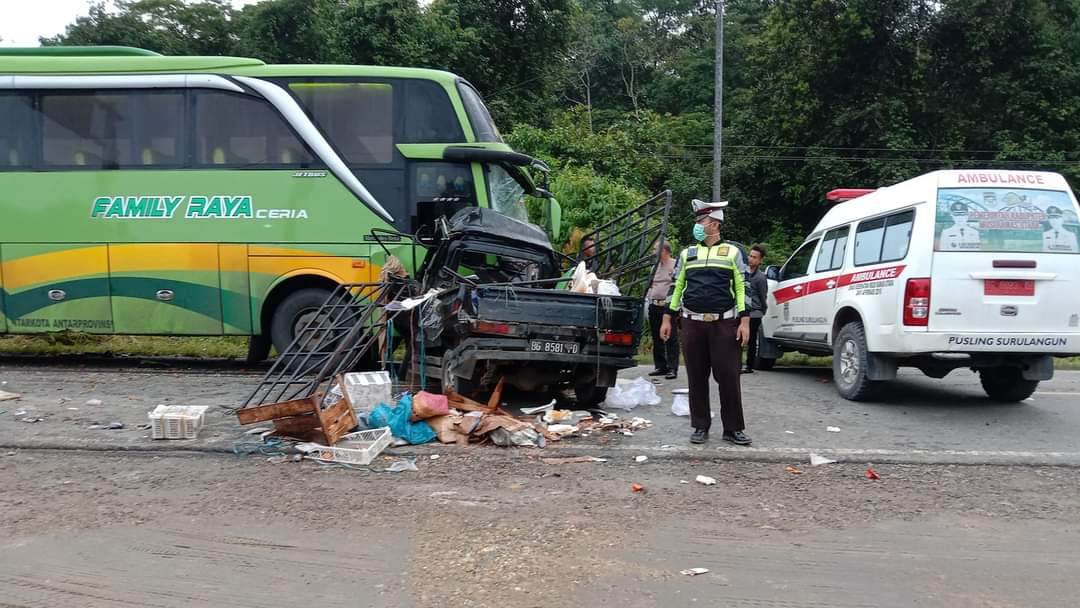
x=665, y=352
x=711, y=297
x=757, y=291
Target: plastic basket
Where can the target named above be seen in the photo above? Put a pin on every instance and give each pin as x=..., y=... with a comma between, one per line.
x=360, y=447
x=177, y=421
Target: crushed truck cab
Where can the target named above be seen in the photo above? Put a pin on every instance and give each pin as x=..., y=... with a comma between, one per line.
x=511, y=318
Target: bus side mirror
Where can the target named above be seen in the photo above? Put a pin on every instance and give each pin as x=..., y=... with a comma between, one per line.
x=554, y=220
x=772, y=273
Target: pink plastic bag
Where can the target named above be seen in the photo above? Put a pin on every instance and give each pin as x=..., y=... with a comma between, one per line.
x=428, y=405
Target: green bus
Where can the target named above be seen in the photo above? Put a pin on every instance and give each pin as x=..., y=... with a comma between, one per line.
x=148, y=194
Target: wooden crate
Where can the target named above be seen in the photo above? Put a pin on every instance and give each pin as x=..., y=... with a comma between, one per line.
x=303, y=419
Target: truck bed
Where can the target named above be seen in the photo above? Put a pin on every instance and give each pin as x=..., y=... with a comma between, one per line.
x=556, y=307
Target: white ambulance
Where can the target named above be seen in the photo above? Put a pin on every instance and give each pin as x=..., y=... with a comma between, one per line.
x=977, y=269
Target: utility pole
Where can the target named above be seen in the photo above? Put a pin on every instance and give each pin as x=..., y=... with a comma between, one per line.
x=718, y=101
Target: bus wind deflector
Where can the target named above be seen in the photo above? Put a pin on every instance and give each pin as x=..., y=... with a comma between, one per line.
x=627, y=247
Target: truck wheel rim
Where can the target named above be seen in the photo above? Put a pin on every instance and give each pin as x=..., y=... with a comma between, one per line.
x=849, y=362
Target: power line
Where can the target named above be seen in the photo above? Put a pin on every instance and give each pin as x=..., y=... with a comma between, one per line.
x=867, y=149
x=867, y=159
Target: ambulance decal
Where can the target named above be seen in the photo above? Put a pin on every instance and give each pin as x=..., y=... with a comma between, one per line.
x=857, y=279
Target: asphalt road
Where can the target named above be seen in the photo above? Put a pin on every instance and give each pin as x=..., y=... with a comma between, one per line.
x=485, y=526
x=497, y=528
x=787, y=411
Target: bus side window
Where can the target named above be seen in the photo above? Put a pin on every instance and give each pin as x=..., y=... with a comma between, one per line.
x=16, y=133
x=112, y=129
x=358, y=117
x=429, y=115
x=239, y=130
x=91, y=130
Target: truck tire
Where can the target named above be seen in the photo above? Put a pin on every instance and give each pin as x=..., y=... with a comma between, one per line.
x=764, y=364
x=589, y=395
x=258, y=349
x=293, y=313
x=1006, y=384
x=850, y=364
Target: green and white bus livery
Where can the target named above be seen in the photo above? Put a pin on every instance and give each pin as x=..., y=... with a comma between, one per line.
x=145, y=194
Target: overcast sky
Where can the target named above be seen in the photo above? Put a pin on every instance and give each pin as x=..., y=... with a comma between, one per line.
x=21, y=22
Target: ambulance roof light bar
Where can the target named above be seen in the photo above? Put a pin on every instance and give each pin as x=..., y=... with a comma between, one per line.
x=846, y=194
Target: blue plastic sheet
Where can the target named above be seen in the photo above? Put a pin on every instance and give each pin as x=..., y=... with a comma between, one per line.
x=397, y=418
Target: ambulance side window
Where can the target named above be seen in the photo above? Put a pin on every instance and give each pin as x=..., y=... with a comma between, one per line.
x=798, y=264
x=831, y=255
x=868, y=242
x=884, y=239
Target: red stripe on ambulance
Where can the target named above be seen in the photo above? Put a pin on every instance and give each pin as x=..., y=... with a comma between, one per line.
x=792, y=292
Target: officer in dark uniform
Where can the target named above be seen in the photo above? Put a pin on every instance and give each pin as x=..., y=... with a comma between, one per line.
x=710, y=296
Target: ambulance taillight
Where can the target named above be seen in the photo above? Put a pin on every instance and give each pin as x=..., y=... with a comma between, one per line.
x=917, y=303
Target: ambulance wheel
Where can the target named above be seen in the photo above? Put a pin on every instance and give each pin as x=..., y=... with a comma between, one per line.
x=589, y=395
x=850, y=363
x=764, y=364
x=1006, y=384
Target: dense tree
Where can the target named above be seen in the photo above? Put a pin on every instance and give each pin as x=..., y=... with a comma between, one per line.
x=618, y=94
x=170, y=27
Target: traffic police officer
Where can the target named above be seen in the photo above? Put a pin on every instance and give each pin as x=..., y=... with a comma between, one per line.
x=710, y=296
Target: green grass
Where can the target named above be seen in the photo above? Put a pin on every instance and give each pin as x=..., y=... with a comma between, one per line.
x=69, y=343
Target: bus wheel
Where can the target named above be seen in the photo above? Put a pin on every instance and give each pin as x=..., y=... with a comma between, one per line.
x=1006, y=384
x=293, y=313
x=850, y=363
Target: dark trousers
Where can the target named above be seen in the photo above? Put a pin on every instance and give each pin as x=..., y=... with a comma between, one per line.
x=710, y=346
x=751, y=349
x=665, y=355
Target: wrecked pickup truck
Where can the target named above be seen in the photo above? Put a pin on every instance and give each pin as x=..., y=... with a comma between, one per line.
x=513, y=318
x=490, y=302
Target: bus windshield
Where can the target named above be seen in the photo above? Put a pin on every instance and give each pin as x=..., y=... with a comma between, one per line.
x=482, y=124
x=507, y=195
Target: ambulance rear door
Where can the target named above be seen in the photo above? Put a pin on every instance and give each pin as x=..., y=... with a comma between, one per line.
x=1006, y=257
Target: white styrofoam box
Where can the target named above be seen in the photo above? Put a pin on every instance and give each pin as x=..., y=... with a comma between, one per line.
x=177, y=421
x=365, y=390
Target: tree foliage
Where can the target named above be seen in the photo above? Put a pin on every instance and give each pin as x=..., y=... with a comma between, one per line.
x=618, y=94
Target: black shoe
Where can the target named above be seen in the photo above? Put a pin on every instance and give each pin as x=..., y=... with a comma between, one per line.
x=736, y=437
x=747, y=370
x=671, y=375
x=699, y=436
x=657, y=372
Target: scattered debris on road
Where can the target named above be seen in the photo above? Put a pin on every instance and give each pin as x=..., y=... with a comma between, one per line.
x=640, y=458
x=871, y=473
x=705, y=480
x=694, y=571
x=628, y=394
x=793, y=470
x=818, y=460
x=833, y=429
x=637, y=487
x=93, y=402
x=6, y=396
x=572, y=460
